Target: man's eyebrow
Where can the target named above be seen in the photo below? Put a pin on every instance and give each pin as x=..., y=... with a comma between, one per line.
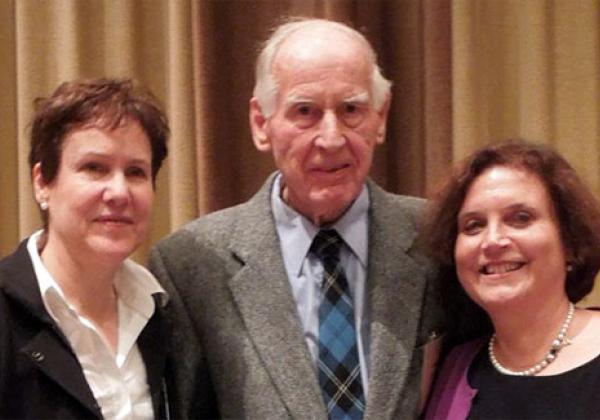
x=296, y=99
x=361, y=98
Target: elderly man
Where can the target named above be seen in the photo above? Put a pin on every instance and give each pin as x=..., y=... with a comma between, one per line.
x=308, y=300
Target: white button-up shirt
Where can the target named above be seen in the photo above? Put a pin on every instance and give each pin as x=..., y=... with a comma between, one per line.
x=117, y=381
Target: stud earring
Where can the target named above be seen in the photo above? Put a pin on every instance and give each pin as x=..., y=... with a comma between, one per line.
x=569, y=267
x=44, y=206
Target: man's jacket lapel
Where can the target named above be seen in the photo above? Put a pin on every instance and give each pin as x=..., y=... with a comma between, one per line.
x=263, y=296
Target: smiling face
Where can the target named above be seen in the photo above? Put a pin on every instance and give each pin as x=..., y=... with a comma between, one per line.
x=324, y=128
x=100, y=201
x=509, y=247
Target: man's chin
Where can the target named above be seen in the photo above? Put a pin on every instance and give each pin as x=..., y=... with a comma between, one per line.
x=334, y=194
x=332, y=203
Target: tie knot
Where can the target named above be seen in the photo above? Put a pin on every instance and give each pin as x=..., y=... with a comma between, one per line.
x=327, y=243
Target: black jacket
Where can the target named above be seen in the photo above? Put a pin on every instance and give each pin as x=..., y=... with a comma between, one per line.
x=40, y=376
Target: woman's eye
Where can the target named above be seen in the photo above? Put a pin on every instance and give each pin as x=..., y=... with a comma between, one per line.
x=471, y=227
x=94, y=167
x=522, y=218
x=137, y=172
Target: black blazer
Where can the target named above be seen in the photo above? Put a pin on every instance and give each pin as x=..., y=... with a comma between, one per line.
x=40, y=376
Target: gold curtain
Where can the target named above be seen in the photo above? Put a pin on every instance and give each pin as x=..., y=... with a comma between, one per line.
x=465, y=73
x=529, y=69
x=198, y=57
x=44, y=42
x=412, y=39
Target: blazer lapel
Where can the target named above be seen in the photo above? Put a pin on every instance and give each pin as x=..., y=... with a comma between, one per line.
x=395, y=289
x=262, y=293
x=48, y=348
x=153, y=349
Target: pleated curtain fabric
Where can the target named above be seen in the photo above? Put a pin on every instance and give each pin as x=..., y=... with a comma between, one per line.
x=464, y=72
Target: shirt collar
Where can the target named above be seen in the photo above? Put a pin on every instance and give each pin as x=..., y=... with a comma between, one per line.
x=297, y=232
x=135, y=286
x=133, y=283
x=49, y=289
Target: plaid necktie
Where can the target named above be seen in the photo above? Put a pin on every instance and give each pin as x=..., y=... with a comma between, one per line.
x=339, y=368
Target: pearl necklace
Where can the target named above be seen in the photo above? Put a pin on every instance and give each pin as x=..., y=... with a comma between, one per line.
x=559, y=342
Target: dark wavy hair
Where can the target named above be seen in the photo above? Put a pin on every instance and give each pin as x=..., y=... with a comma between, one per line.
x=576, y=208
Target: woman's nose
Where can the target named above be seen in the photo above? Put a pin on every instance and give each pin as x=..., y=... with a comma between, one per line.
x=116, y=189
x=495, y=238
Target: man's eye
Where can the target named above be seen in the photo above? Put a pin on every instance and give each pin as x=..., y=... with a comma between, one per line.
x=350, y=108
x=352, y=114
x=305, y=115
x=304, y=110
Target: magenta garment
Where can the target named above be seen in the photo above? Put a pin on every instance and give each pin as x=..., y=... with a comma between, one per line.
x=452, y=395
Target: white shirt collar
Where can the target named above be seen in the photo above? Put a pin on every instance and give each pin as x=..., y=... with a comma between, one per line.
x=133, y=283
x=298, y=232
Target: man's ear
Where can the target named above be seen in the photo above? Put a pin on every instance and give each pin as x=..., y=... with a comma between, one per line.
x=258, y=125
x=383, y=115
x=39, y=186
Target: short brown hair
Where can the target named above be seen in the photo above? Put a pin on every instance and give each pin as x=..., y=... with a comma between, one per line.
x=103, y=102
x=576, y=208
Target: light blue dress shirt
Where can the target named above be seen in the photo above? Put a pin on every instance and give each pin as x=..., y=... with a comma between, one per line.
x=305, y=271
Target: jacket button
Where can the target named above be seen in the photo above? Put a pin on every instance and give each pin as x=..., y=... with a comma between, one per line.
x=37, y=356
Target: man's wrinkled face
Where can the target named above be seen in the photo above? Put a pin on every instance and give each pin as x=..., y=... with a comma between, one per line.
x=324, y=128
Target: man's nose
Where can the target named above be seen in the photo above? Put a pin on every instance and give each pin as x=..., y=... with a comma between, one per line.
x=331, y=134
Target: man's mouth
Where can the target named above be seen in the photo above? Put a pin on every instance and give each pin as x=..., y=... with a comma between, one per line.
x=332, y=169
x=500, y=268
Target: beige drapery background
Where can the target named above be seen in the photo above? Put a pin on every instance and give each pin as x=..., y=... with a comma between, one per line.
x=465, y=72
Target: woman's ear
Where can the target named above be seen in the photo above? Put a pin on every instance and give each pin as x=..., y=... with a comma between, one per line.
x=40, y=188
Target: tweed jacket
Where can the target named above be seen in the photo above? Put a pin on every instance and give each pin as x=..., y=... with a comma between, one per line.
x=40, y=376
x=236, y=326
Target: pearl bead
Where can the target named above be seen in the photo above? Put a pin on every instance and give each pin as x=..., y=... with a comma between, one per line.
x=558, y=343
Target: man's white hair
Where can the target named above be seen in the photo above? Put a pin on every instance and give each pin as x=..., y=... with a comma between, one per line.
x=265, y=89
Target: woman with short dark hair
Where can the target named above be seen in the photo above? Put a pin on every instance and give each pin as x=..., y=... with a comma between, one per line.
x=81, y=328
x=517, y=229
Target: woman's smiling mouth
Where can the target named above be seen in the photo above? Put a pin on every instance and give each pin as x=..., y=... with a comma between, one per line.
x=500, y=267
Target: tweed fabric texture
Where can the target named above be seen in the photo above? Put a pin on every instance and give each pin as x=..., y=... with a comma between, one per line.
x=224, y=273
x=339, y=367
